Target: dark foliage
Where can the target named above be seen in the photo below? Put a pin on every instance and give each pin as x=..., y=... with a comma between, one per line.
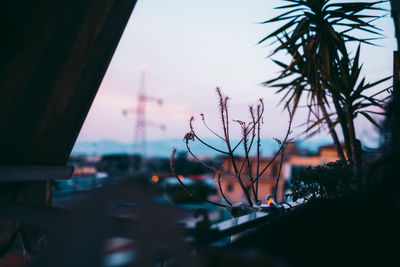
x=328, y=181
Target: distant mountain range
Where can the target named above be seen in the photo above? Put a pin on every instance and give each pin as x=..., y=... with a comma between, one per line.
x=163, y=148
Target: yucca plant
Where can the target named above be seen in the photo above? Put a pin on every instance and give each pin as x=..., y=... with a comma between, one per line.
x=298, y=80
x=315, y=34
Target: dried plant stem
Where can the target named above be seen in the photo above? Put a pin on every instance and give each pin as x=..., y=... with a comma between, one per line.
x=221, y=191
x=222, y=103
x=225, y=125
x=192, y=134
x=247, y=159
x=205, y=124
x=245, y=191
x=198, y=160
x=250, y=135
x=207, y=145
x=207, y=166
x=238, y=178
x=269, y=164
x=254, y=124
x=285, y=141
x=188, y=190
x=279, y=173
x=259, y=114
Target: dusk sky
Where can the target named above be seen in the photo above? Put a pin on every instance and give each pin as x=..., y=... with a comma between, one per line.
x=187, y=49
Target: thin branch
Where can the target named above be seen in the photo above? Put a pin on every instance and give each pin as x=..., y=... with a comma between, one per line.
x=241, y=166
x=269, y=163
x=209, y=146
x=281, y=147
x=227, y=118
x=239, y=179
x=243, y=138
x=220, y=189
x=193, y=134
x=247, y=159
x=259, y=118
x=259, y=114
x=253, y=135
x=187, y=138
x=223, y=109
x=205, y=124
x=279, y=173
x=188, y=190
x=247, y=151
x=237, y=145
x=286, y=140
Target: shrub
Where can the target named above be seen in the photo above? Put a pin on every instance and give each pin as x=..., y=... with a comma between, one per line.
x=328, y=181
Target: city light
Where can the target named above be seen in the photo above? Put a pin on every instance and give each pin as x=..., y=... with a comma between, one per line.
x=154, y=178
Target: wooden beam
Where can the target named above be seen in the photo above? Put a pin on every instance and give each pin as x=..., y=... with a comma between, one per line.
x=34, y=173
x=56, y=60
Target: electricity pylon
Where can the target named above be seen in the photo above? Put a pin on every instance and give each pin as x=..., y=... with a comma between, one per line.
x=139, y=137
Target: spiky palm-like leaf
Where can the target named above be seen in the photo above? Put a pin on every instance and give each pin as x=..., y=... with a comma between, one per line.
x=314, y=33
x=353, y=90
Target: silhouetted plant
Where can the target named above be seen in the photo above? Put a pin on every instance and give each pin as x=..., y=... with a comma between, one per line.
x=250, y=136
x=315, y=34
x=328, y=181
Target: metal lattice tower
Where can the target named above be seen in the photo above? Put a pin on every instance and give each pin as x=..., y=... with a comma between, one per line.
x=139, y=137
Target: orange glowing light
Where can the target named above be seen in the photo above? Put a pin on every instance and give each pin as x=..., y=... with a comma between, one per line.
x=154, y=178
x=180, y=177
x=270, y=201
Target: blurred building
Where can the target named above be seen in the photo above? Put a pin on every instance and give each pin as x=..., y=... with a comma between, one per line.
x=294, y=162
x=297, y=163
